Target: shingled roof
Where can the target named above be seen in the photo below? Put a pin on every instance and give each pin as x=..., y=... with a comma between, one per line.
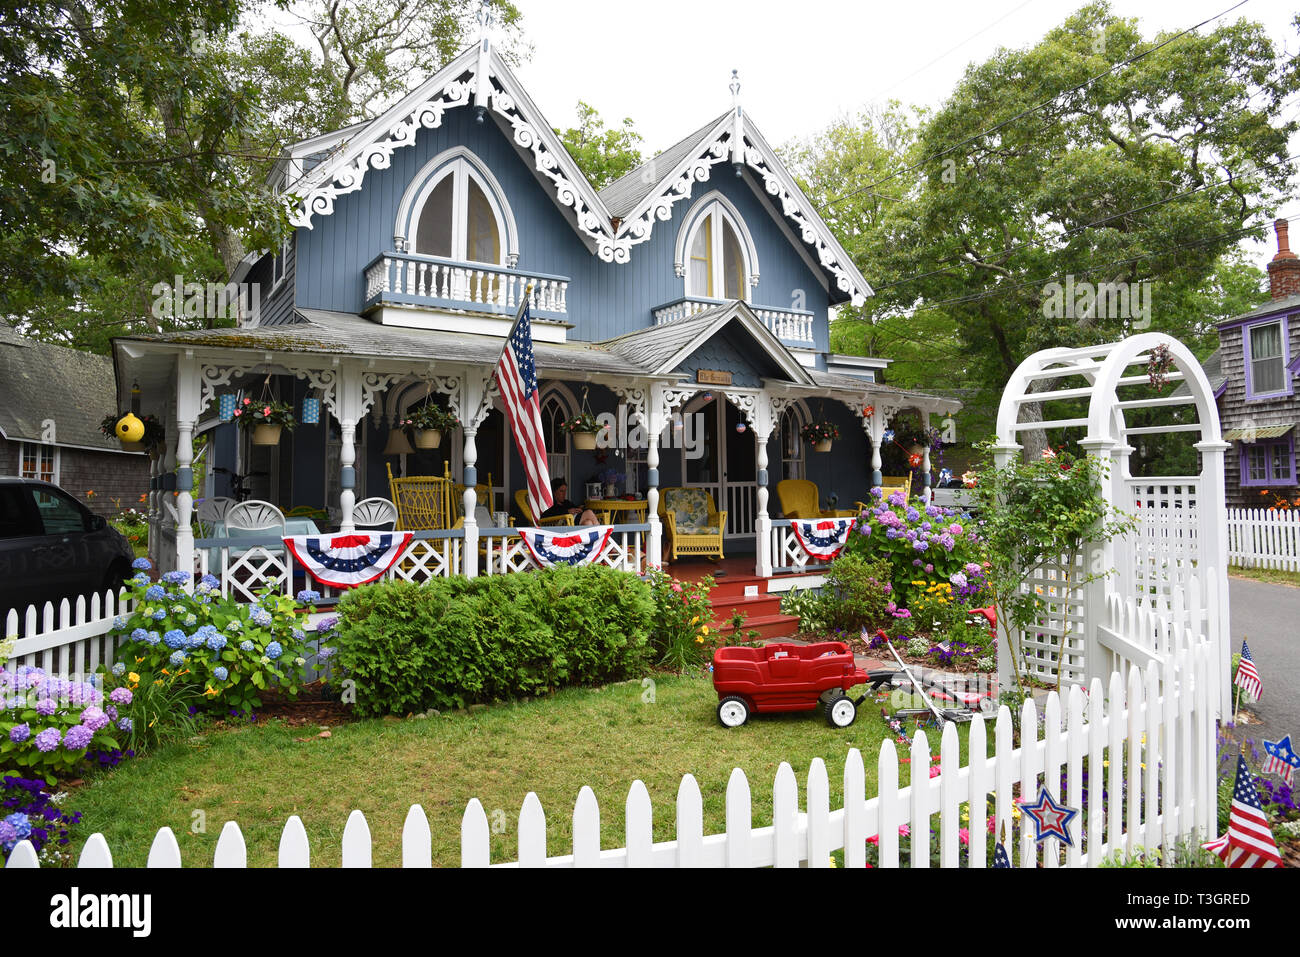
x=42, y=382
x=625, y=193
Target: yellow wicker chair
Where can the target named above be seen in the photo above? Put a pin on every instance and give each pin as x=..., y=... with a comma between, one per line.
x=423, y=501
x=521, y=499
x=890, y=484
x=799, y=498
x=695, y=526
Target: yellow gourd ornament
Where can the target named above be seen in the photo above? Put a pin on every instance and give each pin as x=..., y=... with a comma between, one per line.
x=129, y=428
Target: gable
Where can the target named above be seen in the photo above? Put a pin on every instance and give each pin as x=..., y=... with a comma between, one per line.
x=730, y=350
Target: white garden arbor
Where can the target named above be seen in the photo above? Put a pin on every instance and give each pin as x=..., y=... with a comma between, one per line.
x=1175, y=563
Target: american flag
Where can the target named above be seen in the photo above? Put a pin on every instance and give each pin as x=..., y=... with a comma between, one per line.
x=1282, y=760
x=517, y=379
x=1249, y=842
x=1247, y=677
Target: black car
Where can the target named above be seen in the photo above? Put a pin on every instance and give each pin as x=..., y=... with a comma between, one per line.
x=53, y=547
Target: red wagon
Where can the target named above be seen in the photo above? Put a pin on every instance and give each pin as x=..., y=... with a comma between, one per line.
x=786, y=677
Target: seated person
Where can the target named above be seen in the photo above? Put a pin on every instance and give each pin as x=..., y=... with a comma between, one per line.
x=562, y=506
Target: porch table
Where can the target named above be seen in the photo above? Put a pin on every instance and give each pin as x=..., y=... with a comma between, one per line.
x=292, y=526
x=607, y=508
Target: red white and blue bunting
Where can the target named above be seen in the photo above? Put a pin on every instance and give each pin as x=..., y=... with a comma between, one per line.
x=345, y=561
x=822, y=538
x=566, y=545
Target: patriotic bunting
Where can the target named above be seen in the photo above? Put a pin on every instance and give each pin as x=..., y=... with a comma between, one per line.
x=822, y=538
x=1247, y=677
x=1282, y=760
x=1249, y=842
x=566, y=545
x=345, y=561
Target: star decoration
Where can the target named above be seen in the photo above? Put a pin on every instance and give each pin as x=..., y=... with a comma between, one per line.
x=1281, y=759
x=1050, y=818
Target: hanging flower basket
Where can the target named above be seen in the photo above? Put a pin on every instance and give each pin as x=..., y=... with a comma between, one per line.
x=584, y=428
x=266, y=417
x=820, y=434
x=427, y=423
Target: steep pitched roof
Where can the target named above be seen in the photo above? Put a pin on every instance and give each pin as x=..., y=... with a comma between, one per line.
x=1213, y=367
x=42, y=382
x=625, y=193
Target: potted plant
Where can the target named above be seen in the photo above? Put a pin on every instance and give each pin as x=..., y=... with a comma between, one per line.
x=266, y=417
x=137, y=433
x=428, y=422
x=584, y=428
x=820, y=434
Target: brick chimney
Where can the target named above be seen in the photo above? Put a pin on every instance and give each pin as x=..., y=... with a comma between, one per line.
x=1284, y=270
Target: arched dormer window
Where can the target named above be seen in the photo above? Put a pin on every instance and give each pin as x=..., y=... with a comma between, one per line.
x=715, y=253
x=454, y=209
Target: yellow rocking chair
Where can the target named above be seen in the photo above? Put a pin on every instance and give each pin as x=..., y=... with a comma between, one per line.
x=800, y=497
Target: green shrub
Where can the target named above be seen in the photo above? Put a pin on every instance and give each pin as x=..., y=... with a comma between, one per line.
x=681, y=635
x=807, y=606
x=455, y=641
x=856, y=593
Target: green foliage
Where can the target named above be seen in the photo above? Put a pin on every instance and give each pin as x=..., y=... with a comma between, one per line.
x=946, y=619
x=431, y=415
x=255, y=412
x=226, y=652
x=1035, y=514
x=455, y=641
x=159, y=708
x=681, y=636
x=856, y=593
x=602, y=154
x=807, y=605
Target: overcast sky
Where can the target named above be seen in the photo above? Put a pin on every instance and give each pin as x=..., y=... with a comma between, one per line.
x=667, y=64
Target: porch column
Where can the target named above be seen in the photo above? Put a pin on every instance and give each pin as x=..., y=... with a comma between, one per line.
x=767, y=413
x=926, y=493
x=474, y=405
x=350, y=407
x=655, y=422
x=187, y=413
x=877, y=431
x=1214, y=558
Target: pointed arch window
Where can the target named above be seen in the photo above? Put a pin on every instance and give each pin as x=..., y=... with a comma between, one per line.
x=458, y=218
x=717, y=267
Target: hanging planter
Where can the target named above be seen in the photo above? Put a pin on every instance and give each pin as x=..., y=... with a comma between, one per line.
x=583, y=428
x=427, y=423
x=266, y=416
x=820, y=434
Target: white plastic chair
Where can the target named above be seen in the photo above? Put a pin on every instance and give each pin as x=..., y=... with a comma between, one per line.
x=375, y=513
x=255, y=516
x=211, y=511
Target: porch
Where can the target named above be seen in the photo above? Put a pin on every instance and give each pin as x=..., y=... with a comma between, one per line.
x=669, y=419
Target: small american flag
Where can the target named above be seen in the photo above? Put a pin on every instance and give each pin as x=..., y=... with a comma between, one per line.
x=1247, y=677
x=1249, y=842
x=517, y=379
x=1282, y=760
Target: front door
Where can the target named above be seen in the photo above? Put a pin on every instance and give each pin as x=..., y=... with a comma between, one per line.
x=724, y=463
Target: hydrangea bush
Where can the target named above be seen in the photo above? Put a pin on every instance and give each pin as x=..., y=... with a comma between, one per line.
x=49, y=723
x=227, y=651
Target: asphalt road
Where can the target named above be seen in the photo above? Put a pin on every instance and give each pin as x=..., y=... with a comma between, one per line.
x=1268, y=617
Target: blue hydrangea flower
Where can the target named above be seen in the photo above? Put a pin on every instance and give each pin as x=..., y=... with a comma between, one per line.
x=138, y=634
x=190, y=621
x=176, y=577
x=155, y=593
x=119, y=669
x=273, y=650
x=326, y=653
x=261, y=617
x=177, y=659
x=308, y=597
x=153, y=638
x=245, y=646
x=142, y=564
x=119, y=622
x=21, y=825
x=175, y=639
x=159, y=614
x=126, y=725
x=216, y=642
x=210, y=581
x=140, y=578
x=220, y=673
x=194, y=641
x=19, y=733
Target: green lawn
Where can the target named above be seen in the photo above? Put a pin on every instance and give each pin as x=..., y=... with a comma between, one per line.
x=1271, y=575
x=258, y=775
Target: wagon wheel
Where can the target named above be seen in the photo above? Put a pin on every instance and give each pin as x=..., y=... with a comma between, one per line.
x=733, y=712
x=841, y=711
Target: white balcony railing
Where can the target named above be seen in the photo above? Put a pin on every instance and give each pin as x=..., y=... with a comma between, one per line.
x=790, y=325
x=405, y=278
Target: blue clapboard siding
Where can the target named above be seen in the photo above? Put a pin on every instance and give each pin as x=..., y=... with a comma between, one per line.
x=604, y=299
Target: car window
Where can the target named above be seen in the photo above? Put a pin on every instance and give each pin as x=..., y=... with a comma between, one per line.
x=59, y=514
x=16, y=519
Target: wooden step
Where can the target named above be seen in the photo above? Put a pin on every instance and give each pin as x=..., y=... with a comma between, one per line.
x=759, y=607
x=768, y=627
x=733, y=586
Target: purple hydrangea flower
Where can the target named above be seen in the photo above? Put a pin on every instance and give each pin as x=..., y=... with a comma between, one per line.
x=913, y=514
x=120, y=696
x=19, y=733
x=47, y=740
x=326, y=624
x=326, y=653
x=921, y=546
x=111, y=711
x=8, y=835
x=93, y=718
x=972, y=568
x=78, y=737
x=929, y=569
x=46, y=707
x=125, y=725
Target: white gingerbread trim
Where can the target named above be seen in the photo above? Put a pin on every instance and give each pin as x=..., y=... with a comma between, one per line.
x=422, y=184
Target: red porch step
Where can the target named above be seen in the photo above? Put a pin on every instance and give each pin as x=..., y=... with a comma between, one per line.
x=762, y=610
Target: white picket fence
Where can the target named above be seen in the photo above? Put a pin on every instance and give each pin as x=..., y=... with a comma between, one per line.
x=73, y=639
x=1150, y=739
x=1258, y=538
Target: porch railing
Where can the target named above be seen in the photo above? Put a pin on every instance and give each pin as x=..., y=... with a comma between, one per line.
x=504, y=551
x=409, y=279
x=787, y=554
x=790, y=325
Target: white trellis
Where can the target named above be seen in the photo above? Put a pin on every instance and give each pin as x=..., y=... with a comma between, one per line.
x=1181, y=540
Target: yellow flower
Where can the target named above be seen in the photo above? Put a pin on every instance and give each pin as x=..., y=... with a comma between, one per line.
x=704, y=630
x=133, y=677
x=210, y=690
x=695, y=620
x=699, y=641
x=157, y=681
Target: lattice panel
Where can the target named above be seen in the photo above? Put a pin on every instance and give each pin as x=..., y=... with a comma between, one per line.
x=507, y=553
x=787, y=553
x=1165, y=548
x=623, y=551
x=428, y=558
x=1059, y=624
x=256, y=569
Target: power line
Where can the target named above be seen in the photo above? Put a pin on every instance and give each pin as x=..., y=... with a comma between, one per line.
x=1080, y=228
x=1007, y=287
x=1034, y=109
